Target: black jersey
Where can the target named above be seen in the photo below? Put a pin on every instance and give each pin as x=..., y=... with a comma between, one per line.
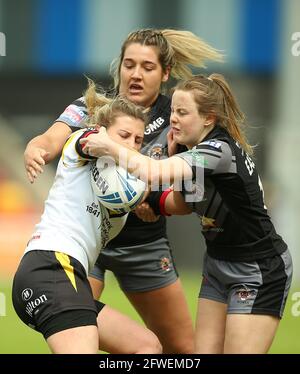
x=155, y=145
x=233, y=217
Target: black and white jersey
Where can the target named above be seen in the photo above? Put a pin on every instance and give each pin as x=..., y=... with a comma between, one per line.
x=155, y=145
x=233, y=217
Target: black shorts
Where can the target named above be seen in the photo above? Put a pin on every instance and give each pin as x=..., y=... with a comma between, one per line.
x=51, y=293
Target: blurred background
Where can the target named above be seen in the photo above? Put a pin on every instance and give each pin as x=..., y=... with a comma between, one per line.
x=46, y=48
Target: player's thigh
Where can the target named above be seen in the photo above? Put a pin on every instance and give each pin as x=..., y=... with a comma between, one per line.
x=120, y=334
x=97, y=287
x=166, y=313
x=210, y=326
x=77, y=340
x=249, y=333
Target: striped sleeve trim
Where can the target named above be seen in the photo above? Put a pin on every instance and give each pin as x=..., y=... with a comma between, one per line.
x=79, y=147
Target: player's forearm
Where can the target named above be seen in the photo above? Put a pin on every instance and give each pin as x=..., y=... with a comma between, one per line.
x=45, y=143
x=137, y=164
x=52, y=141
x=153, y=172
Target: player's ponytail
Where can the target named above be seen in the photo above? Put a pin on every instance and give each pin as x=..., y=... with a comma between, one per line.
x=177, y=49
x=232, y=118
x=188, y=50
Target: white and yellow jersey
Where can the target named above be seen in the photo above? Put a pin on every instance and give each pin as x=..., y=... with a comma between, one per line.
x=74, y=222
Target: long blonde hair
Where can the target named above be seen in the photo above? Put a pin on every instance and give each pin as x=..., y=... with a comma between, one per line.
x=104, y=110
x=213, y=96
x=177, y=49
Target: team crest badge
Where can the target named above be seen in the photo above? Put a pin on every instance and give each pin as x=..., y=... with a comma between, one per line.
x=244, y=294
x=156, y=151
x=165, y=264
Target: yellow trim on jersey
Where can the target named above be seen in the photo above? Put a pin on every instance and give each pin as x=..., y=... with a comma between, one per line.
x=65, y=262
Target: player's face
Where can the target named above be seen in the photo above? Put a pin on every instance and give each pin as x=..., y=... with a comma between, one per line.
x=127, y=131
x=141, y=74
x=189, y=127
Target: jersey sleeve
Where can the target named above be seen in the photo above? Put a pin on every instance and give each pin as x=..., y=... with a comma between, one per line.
x=212, y=157
x=75, y=115
x=72, y=154
x=206, y=160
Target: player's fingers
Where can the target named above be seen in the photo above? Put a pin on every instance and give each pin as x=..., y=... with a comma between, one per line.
x=30, y=177
x=39, y=160
x=37, y=167
x=32, y=172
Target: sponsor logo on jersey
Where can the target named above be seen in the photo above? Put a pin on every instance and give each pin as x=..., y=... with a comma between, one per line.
x=100, y=182
x=36, y=236
x=32, y=305
x=27, y=294
x=198, y=159
x=209, y=224
x=154, y=125
x=105, y=228
x=74, y=114
x=212, y=143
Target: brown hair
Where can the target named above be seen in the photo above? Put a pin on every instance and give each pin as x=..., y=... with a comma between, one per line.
x=213, y=96
x=176, y=49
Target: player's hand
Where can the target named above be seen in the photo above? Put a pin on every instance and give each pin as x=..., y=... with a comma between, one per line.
x=172, y=144
x=145, y=213
x=98, y=144
x=34, y=160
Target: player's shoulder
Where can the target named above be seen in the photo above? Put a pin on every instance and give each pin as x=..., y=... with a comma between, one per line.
x=214, y=147
x=161, y=107
x=218, y=141
x=79, y=101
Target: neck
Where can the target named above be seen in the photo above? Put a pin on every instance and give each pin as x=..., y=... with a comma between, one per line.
x=204, y=134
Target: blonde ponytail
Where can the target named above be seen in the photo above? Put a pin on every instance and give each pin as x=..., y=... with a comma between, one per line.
x=177, y=49
x=188, y=49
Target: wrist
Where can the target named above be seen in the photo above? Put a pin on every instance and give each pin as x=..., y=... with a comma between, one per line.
x=157, y=200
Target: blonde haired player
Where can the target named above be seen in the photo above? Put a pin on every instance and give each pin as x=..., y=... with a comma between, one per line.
x=51, y=292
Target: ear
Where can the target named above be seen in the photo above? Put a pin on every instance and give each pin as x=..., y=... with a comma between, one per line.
x=210, y=120
x=166, y=74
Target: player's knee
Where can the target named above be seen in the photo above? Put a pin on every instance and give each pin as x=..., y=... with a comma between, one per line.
x=150, y=344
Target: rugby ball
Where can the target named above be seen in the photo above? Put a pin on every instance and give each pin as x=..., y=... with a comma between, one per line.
x=115, y=188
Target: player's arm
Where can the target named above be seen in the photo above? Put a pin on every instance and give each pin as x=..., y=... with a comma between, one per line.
x=168, y=203
x=149, y=170
x=44, y=148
